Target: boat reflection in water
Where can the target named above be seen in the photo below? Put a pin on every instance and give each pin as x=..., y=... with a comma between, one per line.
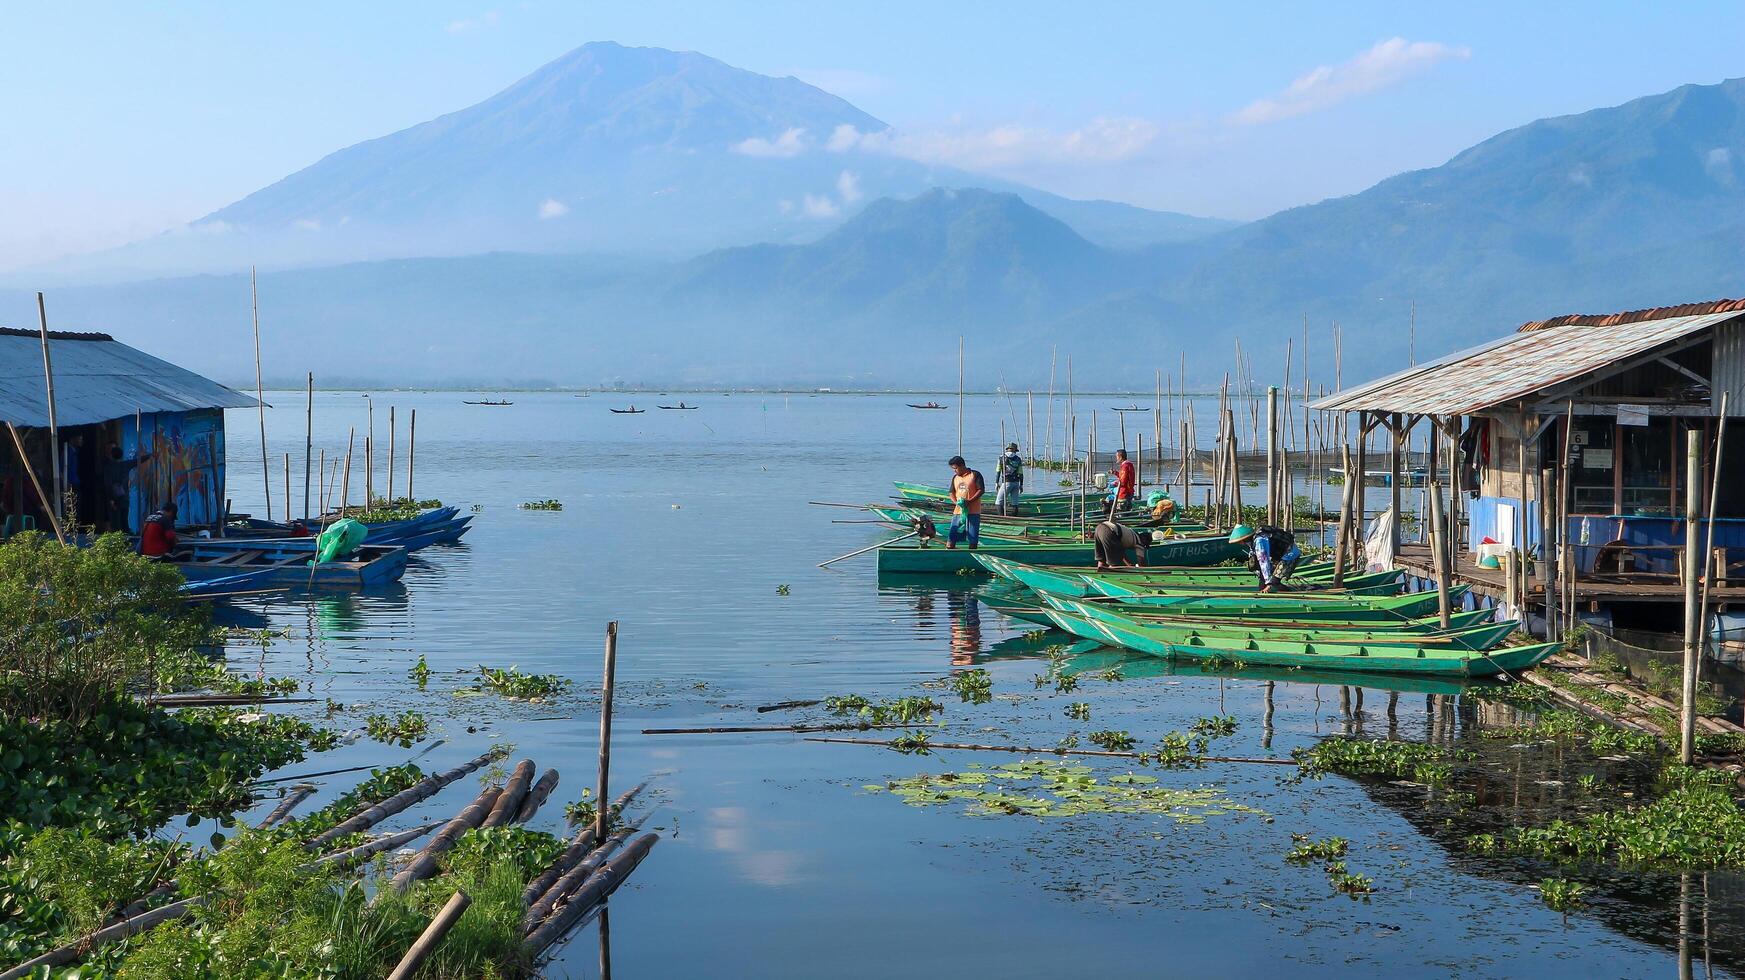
x=966, y=628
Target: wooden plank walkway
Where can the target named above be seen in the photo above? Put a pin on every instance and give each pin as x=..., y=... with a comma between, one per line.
x=1415, y=558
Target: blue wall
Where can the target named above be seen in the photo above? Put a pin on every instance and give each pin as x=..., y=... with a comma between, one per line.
x=184, y=462
x=1589, y=534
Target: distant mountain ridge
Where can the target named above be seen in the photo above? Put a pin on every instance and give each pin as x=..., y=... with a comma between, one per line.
x=608, y=149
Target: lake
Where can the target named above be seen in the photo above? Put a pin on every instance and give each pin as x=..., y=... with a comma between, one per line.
x=775, y=859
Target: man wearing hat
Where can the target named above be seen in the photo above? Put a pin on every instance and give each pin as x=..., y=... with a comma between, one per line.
x=1273, y=553
x=1011, y=479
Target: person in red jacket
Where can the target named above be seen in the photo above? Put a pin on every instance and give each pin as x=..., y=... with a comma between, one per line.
x=1126, y=485
x=159, y=535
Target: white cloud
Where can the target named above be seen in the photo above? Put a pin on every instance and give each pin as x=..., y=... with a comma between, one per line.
x=306, y=224
x=790, y=144
x=848, y=186
x=487, y=19
x=844, y=138
x=816, y=206
x=785, y=206
x=551, y=207
x=1389, y=62
x=1580, y=177
x=1718, y=163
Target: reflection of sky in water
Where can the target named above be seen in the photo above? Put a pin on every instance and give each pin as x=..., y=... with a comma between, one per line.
x=773, y=861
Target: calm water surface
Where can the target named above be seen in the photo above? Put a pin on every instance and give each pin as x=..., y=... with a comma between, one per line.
x=775, y=861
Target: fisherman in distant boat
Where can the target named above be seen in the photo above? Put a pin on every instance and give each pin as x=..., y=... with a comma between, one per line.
x=1273, y=554
x=1011, y=484
x=1126, y=484
x=967, y=488
x=1118, y=545
x=158, y=537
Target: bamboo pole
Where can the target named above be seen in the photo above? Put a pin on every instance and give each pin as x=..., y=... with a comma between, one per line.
x=1709, y=547
x=509, y=801
x=863, y=551
x=54, y=431
x=297, y=795
x=321, y=487
x=594, y=891
x=1438, y=554
x=424, y=864
x=1050, y=750
x=960, y=394
x=1693, y=501
x=1272, y=512
x=259, y=392
x=536, y=797
x=1342, y=542
x=581, y=847
x=308, y=441
x=30, y=471
x=392, y=432
x=432, y=936
x=370, y=455
x=411, y=448
x=416, y=793
x=345, y=487
x=287, y=490
x=1048, y=416
x=606, y=682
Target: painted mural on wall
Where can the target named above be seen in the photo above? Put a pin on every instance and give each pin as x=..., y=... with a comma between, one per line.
x=184, y=462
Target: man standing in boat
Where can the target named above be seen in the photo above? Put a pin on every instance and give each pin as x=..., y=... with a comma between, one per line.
x=1011, y=479
x=1273, y=554
x=1118, y=545
x=1126, y=485
x=966, y=504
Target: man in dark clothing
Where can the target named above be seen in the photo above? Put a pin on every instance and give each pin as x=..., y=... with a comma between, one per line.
x=116, y=496
x=1011, y=480
x=1118, y=545
x=158, y=536
x=1273, y=554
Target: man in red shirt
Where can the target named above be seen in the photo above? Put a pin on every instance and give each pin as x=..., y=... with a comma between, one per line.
x=1126, y=484
x=158, y=536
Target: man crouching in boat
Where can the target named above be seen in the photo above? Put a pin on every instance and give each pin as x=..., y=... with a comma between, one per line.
x=966, y=504
x=158, y=536
x=1116, y=543
x=1273, y=554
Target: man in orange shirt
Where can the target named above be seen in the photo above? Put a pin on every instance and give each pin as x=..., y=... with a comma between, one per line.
x=966, y=504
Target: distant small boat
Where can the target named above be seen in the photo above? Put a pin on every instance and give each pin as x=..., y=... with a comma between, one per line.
x=488, y=402
x=680, y=407
x=1129, y=408
x=934, y=405
x=632, y=410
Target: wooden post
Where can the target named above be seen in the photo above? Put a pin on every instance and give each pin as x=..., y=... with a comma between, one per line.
x=1359, y=508
x=345, y=487
x=287, y=489
x=391, y=434
x=960, y=394
x=427, y=941
x=1395, y=473
x=54, y=431
x=1342, y=542
x=1272, y=455
x=321, y=487
x=369, y=456
x=411, y=448
x=1048, y=416
x=30, y=471
x=308, y=441
x=259, y=393
x=603, y=809
x=1438, y=554
x=1549, y=579
x=1693, y=504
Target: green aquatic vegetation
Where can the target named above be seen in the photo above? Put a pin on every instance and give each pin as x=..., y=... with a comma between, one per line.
x=404, y=730
x=1561, y=894
x=1217, y=726
x=902, y=711
x=1347, y=883
x=542, y=505
x=911, y=743
x=1176, y=750
x=382, y=511
x=1079, y=711
x=783, y=589
x=517, y=685
x=1560, y=725
x=1050, y=788
x=973, y=686
x=1219, y=661
x=61, y=883
x=1112, y=675
x=378, y=786
x=1516, y=694
x=420, y=672
x=1349, y=756
x=1307, y=850
x=1693, y=823
x=1066, y=683
x=1112, y=741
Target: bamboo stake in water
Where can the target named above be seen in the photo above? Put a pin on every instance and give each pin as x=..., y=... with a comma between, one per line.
x=287, y=489
x=1342, y=543
x=1439, y=554
x=1693, y=502
x=369, y=456
x=345, y=487
x=411, y=448
x=1272, y=455
x=603, y=814
x=54, y=431
x=391, y=433
x=308, y=441
x=960, y=394
x=259, y=394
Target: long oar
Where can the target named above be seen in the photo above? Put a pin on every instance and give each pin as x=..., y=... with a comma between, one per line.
x=863, y=551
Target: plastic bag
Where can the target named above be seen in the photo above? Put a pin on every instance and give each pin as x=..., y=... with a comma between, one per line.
x=340, y=539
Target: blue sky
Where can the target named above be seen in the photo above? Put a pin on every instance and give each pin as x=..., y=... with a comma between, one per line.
x=125, y=119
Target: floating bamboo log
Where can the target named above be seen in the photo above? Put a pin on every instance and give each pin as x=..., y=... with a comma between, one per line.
x=1053, y=751
x=785, y=705
x=417, y=793
x=740, y=729
x=369, y=849
x=297, y=795
x=427, y=941
x=579, y=848
x=591, y=894
x=133, y=926
x=514, y=791
x=536, y=797
x=423, y=864
x=540, y=908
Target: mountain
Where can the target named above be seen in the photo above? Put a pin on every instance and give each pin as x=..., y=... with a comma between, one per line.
x=608, y=149
x=1632, y=206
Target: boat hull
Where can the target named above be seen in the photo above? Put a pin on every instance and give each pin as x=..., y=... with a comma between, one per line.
x=936, y=558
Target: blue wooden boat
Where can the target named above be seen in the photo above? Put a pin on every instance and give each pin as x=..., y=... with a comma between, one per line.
x=387, y=532
x=410, y=538
x=214, y=588
x=287, y=562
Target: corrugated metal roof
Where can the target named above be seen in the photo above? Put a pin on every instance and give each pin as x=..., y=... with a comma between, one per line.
x=1515, y=366
x=97, y=380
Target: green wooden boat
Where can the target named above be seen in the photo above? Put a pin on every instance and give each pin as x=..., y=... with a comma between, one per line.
x=1135, y=666
x=1413, y=656
x=1482, y=636
x=1075, y=582
x=1372, y=583
x=994, y=523
x=908, y=558
x=1023, y=604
